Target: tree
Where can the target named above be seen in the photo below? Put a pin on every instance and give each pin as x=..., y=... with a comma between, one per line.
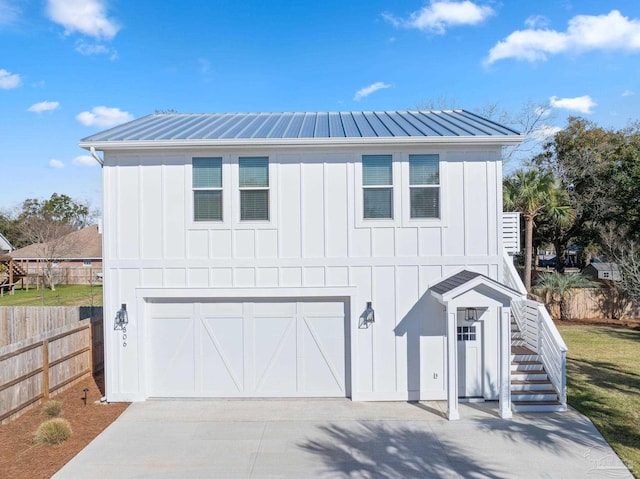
x=531, y=120
x=44, y=223
x=599, y=172
x=528, y=192
x=48, y=237
x=58, y=208
x=625, y=253
x=559, y=287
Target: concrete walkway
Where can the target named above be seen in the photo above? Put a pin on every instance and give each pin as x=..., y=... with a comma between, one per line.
x=337, y=438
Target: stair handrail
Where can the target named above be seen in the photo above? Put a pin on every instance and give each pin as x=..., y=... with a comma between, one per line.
x=552, y=351
x=538, y=331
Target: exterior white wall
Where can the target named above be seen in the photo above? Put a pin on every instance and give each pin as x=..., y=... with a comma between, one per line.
x=316, y=239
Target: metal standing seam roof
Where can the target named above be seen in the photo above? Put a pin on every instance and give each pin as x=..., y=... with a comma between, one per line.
x=463, y=277
x=255, y=127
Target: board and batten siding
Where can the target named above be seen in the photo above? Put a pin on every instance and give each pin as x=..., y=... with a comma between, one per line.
x=315, y=239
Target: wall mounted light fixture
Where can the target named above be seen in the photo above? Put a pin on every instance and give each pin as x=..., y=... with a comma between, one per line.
x=369, y=315
x=471, y=315
x=121, y=319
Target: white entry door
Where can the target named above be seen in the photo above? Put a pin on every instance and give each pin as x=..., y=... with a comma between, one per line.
x=246, y=349
x=469, y=344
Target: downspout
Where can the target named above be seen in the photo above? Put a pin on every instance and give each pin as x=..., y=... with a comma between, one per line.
x=95, y=156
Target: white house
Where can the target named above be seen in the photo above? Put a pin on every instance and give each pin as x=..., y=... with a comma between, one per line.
x=5, y=246
x=350, y=255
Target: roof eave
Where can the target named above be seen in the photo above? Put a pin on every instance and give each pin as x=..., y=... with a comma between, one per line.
x=444, y=298
x=506, y=140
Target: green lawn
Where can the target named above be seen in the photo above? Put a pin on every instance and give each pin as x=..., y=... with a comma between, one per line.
x=603, y=381
x=64, y=295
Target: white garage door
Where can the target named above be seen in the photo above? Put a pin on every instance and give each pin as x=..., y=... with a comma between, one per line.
x=246, y=349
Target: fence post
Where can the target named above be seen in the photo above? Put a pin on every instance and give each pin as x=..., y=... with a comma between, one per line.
x=45, y=368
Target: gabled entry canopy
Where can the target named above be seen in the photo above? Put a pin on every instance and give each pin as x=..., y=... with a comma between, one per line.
x=463, y=282
x=467, y=289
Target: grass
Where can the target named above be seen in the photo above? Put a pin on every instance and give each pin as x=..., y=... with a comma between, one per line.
x=52, y=409
x=53, y=431
x=64, y=295
x=603, y=381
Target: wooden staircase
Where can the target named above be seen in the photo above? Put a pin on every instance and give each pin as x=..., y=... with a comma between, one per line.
x=13, y=274
x=531, y=389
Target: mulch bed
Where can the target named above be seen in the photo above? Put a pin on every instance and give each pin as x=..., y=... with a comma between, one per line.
x=20, y=458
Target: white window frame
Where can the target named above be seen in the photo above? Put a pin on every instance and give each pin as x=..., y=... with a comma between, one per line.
x=406, y=190
x=227, y=204
x=272, y=222
x=220, y=188
x=396, y=172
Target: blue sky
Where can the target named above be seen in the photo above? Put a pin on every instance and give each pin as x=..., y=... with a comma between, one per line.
x=70, y=68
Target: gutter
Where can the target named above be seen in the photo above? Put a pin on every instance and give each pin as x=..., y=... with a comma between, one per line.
x=95, y=156
x=92, y=146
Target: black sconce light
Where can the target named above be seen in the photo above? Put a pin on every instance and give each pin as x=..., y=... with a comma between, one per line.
x=369, y=315
x=122, y=318
x=471, y=315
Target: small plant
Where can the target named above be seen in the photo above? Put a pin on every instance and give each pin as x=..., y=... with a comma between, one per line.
x=53, y=431
x=52, y=408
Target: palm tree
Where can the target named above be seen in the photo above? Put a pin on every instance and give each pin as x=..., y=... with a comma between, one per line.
x=529, y=192
x=560, y=288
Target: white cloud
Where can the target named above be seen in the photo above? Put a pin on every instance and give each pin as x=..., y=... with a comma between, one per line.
x=628, y=93
x=584, y=33
x=56, y=164
x=44, y=106
x=368, y=90
x=88, y=17
x=84, y=160
x=9, y=80
x=583, y=104
x=104, y=117
x=9, y=12
x=537, y=21
x=441, y=14
x=544, y=132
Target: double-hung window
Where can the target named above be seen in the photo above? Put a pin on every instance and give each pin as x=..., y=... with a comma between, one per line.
x=254, y=188
x=377, y=186
x=207, y=189
x=424, y=186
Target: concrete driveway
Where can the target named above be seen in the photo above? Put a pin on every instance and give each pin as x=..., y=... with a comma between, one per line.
x=337, y=438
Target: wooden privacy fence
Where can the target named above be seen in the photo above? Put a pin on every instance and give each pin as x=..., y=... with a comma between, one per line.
x=590, y=303
x=18, y=323
x=34, y=369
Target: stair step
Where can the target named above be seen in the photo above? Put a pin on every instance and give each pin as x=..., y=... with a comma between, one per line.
x=540, y=406
x=525, y=358
x=531, y=385
x=534, y=396
x=526, y=366
x=522, y=350
x=529, y=375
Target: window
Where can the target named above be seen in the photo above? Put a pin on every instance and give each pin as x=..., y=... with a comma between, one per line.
x=466, y=333
x=377, y=186
x=207, y=189
x=424, y=186
x=254, y=188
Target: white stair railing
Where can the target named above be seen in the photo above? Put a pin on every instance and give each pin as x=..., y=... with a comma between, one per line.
x=538, y=331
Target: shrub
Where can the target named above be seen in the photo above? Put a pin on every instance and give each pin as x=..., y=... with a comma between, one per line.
x=53, y=431
x=52, y=408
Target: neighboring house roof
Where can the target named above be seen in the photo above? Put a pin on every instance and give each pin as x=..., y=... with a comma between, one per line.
x=203, y=129
x=605, y=266
x=4, y=244
x=82, y=244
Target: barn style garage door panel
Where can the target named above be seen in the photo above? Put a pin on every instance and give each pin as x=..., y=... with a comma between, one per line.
x=247, y=349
